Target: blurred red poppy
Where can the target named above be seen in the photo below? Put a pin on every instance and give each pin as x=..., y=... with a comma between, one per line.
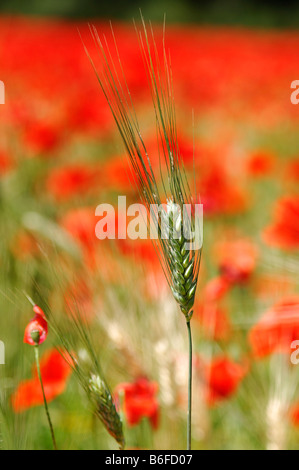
x=41, y=138
x=55, y=372
x=140, y=401
x=220, y=193
x=293, y=170
x=216, y=288
x=277, y=328
x=5, y=163
x=214, y=321
x=140, y=249
x=80, y=223
x=236, y=259
x=87, y=112
x=284, y=232
x=71, y=180
x=223, y=376
x=294, y=414
x=260, y=163
x=118, y=174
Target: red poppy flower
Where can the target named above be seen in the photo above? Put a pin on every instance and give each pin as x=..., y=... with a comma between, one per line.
x=216, y=288
x=39, y=311
x=293, y=170
x=260, y=164
x=294, y=414
x=277, y=328
x=5, y=163
x=88, y=115
x=68, y=181
x=140, y=401
x=118, y=174
x=140, y=249
x=55, y=372
x=80, y=223
x=284, y=232
x=236, y=259
x=214, y=321
x=223, y=376
x=42, y=138
x=220, y=193
x=37, y=324
x=184, y=150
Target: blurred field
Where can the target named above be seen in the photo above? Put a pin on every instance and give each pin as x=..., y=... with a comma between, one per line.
x=61, y=156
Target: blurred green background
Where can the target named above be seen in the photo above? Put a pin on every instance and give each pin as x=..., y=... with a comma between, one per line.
x=260, y=13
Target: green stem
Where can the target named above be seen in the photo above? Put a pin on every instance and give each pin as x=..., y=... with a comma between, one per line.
x=44, y=396
x=189, y=388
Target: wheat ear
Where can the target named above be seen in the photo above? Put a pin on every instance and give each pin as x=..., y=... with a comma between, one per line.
x=181, y=266
x=82, y=356
x=105, y=409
